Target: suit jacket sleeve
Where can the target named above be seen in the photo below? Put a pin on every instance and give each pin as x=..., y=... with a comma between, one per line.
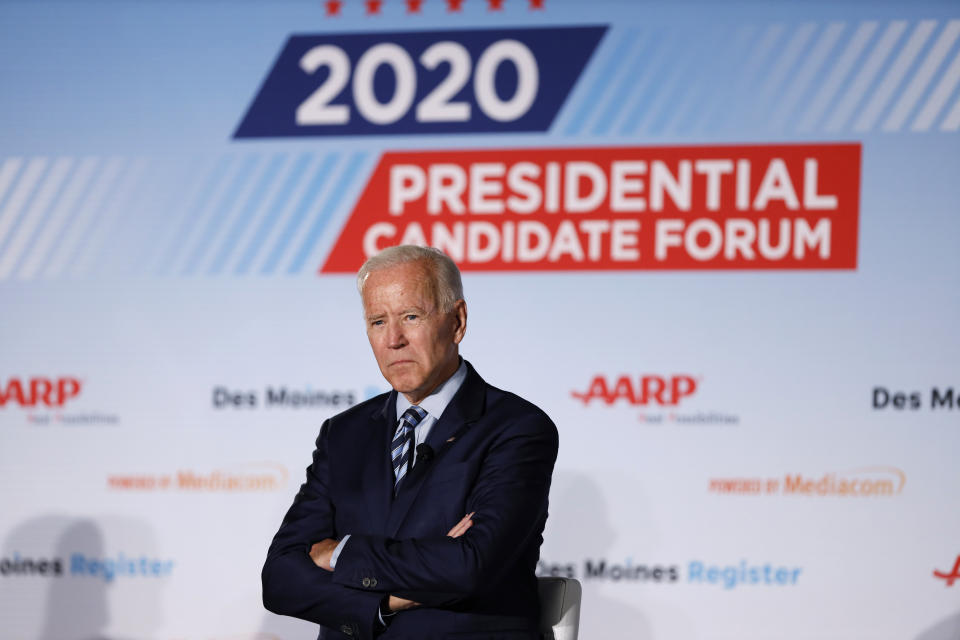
x=509, y=497
x=292, y=584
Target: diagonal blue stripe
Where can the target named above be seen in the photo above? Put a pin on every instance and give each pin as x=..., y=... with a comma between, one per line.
x=111, y=236
x=329, y=207
x=883, y=50
x=173, y=208
x=642, y=85
x=188, y=219
x=686, y=72
x=122, y=235
x=203, y=242
x=18, y=173
x=51, y=207
x=670, y=92
x=702, y=86
x=141, y=249
x=318, y=180
x=602, y=79
x=625, y=53
x=25, y=205
x=401, y=452
x=85, y=246
x=640, y=61
x=726, y=93
x=400, y=470
x=672, y=49
x=279, y=202
x=66, y=229
x=252, y=204
x=932, y=84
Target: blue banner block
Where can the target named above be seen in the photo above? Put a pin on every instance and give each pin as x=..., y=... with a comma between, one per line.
x=420, y=82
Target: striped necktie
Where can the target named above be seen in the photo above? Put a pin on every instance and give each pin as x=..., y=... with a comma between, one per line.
x=400, y=448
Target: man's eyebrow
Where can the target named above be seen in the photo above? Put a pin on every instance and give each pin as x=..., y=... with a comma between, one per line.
x=379, y=316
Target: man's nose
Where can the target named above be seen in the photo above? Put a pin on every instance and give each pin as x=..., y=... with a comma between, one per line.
x=395, y=339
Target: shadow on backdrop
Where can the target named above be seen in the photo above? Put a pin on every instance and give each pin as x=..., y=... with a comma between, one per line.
x=61, y=604
x=578, y=528
x=578, y=524
x=274, y=627
x=946, y=629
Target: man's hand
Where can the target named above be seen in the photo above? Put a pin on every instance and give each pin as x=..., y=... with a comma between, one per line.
x=322, y=551
x=396, y=603
x=461, y=527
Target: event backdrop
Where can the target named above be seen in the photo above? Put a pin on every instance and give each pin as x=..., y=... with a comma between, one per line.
x=716, y=242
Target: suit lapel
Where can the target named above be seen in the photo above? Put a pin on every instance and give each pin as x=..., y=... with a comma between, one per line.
x=465, y=407
x=378, y=478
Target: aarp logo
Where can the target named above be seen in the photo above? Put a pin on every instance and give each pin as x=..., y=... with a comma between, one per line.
x=39, y=391
x=642, y=390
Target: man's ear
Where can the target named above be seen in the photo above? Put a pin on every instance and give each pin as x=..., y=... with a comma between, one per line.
x=460, y=320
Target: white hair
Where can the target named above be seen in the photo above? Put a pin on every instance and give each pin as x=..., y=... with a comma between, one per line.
x=445, y=284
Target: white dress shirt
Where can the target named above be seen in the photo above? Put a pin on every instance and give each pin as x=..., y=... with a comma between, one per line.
x=434, y=404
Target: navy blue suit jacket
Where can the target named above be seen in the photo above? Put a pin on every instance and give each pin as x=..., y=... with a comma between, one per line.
x=493, y=454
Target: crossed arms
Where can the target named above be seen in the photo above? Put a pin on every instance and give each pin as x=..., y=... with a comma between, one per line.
x=322, y=555
x=508, y=497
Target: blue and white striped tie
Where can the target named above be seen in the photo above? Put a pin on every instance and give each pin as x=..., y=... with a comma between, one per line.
x=400, y=448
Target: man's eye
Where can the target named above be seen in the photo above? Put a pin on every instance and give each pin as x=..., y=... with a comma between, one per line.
x=412, y=316
x=376, y=323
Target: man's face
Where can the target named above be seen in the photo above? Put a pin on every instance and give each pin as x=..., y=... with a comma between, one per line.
x=415, y=343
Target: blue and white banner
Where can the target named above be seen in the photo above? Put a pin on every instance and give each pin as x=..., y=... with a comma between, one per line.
x=713, y=241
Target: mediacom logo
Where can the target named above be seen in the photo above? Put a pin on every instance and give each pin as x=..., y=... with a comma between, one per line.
x=651, y=391
x=254, y=477
x=783, y=206
x=867, y=482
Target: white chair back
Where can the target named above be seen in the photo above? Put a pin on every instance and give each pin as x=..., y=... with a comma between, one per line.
x=559, y=608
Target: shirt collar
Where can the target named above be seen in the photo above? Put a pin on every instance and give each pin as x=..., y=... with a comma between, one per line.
x=436, y=402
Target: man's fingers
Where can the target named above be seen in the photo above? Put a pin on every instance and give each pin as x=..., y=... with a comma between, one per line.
x=396, y=603
x=456, y=528
x=322, y=552
x=461, y=527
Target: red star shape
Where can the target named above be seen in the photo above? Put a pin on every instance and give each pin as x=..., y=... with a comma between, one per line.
x=333, y=7
x=536, y=4
x=413, y=6
x=495, y=5
x=374, y=6
x=454, y=5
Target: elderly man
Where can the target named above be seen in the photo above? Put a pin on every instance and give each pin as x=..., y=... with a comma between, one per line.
x=422, y=513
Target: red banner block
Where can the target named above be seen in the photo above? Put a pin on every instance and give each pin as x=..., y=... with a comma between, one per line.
x=786, y=206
